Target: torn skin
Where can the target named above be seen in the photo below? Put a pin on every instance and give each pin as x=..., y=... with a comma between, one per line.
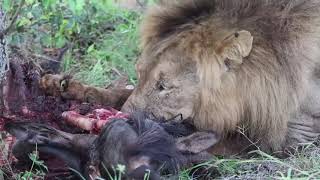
x=94, y=121
x=23, y=99
x=138, y=142
x=91, y=117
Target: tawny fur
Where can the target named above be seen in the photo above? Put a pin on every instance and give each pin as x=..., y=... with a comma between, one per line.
x=67, y=88
x=263, y=93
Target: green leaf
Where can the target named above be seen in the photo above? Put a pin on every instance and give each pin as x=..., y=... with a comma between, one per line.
x=23, y=21
x=29, y=2
x=29, y=15
x=60, y=41
x=7, y=5
x=1, y=174
x=46, y=40
x=76, y=6
x=72, y=5
x=90, y=48
x=48, y=3
x=79, y=6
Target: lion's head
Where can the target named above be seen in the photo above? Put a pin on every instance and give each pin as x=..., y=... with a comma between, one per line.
x=228, y=63
x=181, y=71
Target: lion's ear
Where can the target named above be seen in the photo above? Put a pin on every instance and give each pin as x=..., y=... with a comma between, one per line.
x=236, y=46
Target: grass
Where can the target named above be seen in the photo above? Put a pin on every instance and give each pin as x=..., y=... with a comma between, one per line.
x=113, y=55
x=33, y=173
x=303, y=164
x=36, y=171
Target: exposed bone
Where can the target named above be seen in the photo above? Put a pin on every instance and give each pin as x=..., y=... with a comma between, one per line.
x=80, y=121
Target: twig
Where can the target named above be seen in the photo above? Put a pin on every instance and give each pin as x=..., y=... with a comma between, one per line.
x=31, y=169
x=241, y=130
x=140, y=3
x=13, y=20
x=28, y=53
x=116, y=71
x=5, y=157
x=43, y=57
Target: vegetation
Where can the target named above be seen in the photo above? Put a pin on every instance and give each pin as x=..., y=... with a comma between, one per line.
x=302, y=164
x=103, y=43
x=102, y=37
x=33, y=173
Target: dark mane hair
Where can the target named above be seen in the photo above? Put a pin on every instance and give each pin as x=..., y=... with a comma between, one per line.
x=171, y=17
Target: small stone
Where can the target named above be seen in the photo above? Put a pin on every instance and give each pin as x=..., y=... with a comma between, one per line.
x=131, y=87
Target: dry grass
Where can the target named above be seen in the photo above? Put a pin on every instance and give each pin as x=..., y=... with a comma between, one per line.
x=303, y=164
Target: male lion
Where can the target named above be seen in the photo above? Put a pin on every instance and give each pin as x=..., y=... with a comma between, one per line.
x=227, y=64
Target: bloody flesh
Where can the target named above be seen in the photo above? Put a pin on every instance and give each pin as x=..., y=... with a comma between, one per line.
x=24, y=101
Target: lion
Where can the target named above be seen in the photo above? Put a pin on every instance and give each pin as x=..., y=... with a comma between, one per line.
x=231, y=65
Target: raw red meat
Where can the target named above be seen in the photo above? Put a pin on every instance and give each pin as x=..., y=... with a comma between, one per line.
x=23, y=100
x=93, y=121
